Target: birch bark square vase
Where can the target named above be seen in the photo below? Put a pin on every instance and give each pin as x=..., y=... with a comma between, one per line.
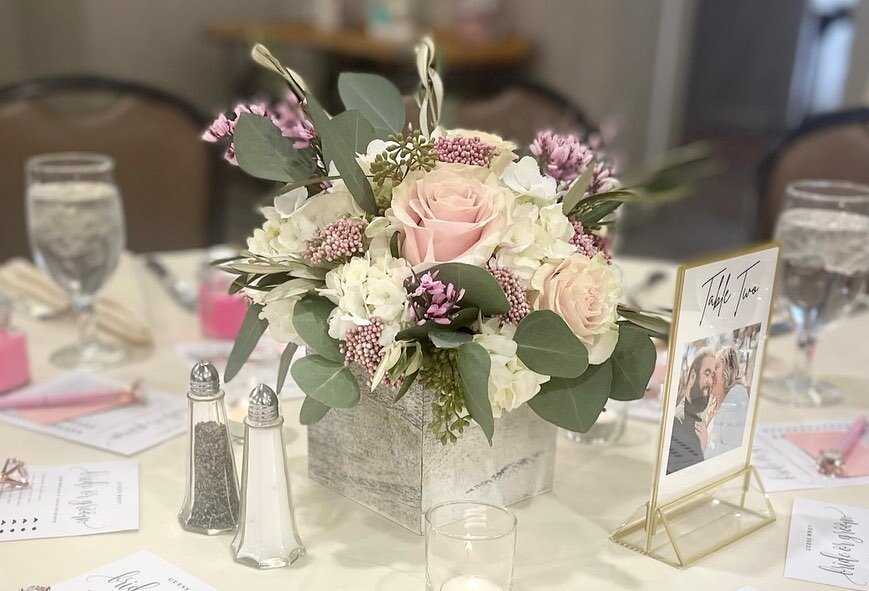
x=382, y=455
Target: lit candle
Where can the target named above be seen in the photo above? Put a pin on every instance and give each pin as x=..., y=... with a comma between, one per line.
x=469, y=583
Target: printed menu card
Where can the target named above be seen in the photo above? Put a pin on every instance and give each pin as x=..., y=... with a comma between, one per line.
x=72, y=500
x=142, y=570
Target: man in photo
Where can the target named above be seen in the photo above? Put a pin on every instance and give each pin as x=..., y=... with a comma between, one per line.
x=728, y=406
x=685, y=445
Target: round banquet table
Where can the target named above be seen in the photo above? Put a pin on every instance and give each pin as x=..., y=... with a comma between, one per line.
x=562, y=535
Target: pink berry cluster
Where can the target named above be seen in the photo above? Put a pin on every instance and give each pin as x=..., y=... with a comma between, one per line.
x=561, y=156
x=509, y=282
x=602, y=179
x=589, y=243
x=337, y=241
x=287, y=116
x=431, y=299
x=362, y=345
x=464, y=150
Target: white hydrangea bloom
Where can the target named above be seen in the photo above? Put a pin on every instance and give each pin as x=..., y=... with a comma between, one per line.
x=511, y=383
x=364, y=288
x=536, y=234
x=279, y=315
x=529, y=184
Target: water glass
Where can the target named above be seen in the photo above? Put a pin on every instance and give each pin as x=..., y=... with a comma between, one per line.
x=469, y=546
x=75, y=223
x=824, y=234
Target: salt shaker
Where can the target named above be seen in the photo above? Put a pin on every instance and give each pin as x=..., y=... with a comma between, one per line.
x=211, y=495
x=267, y=536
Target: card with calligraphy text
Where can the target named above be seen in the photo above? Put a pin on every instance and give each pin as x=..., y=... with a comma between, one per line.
x=829, y=544
x=72, y=500
x=717, y=339
x=140, y=571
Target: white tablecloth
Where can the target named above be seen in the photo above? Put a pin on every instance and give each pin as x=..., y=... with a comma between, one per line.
x=562, y=536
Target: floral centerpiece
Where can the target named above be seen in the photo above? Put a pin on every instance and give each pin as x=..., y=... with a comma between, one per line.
x=402, y=254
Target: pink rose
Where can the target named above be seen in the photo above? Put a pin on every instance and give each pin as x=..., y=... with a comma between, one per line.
x=455, y=212
x=584, y=292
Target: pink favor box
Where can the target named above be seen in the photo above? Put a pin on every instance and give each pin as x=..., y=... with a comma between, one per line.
x=14, y=366
x=220, y=314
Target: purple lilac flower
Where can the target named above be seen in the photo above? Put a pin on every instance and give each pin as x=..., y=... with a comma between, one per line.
x=337, y=241
x=561, y=156
x=431, y=299
x=464, y=150
x=509, y=282
x=589, y=243
x=286, y=115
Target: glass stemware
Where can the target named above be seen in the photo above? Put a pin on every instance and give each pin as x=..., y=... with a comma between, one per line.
x=76, y=227
x=824, y=235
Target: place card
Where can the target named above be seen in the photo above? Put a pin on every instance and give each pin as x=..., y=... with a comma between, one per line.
x=126, y=430
x=828, y=543
x=783, y=465
x=140, y=571
x=72, y=500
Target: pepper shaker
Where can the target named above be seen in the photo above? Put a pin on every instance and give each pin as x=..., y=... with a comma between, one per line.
x=211, y=495
x=267, y=536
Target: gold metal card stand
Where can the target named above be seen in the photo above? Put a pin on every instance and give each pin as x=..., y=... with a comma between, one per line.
x=687, y=529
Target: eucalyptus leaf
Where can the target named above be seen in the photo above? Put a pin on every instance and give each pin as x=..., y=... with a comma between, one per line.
x=448, y=339
x=284, y=366
x=355, y=129
x=474, y=365
x=405, y=386
x=574, y=403
x=593, y=216
x=481, y=289
x=376, y=98
x=327, y=382
x=654, y=325
x=547, y=345
x=462, y=319
x=633, y=361
x=252, y=328
x=312, y=411
x=264, y=153
x=311, y=321
x=292, y=288
x=577, y=190
x=394, y=249
x=343, y=154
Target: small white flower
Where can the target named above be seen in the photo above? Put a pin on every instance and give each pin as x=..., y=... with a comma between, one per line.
x=279, y=315
x=524, y=177
x=535, y=235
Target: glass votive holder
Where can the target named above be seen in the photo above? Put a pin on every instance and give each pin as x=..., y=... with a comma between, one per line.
x=469, y=546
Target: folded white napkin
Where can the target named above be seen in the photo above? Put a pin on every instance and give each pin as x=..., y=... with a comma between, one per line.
x=123, y=321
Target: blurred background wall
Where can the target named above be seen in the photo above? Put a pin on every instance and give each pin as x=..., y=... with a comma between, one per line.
x=663, y=72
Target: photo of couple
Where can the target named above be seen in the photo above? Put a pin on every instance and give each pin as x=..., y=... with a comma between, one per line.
x=712, y=402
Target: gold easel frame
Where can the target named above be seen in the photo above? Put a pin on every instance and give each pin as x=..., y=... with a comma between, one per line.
x=709, y=516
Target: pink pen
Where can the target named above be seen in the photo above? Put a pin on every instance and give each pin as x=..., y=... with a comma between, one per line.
x=125, y=396
x=831, y=461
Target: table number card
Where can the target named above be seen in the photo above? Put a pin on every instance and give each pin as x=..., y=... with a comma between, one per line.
x=829, y=543
x=72, y=500
x=137, y=572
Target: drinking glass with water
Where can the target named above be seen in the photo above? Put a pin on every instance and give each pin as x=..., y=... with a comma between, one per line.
x=76, y=226
x=824, y=235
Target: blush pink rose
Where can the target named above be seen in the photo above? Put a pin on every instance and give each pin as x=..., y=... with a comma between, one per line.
x=455, y=213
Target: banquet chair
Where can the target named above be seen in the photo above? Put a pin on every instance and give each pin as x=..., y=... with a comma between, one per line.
x=833, y=146
x=165, y=172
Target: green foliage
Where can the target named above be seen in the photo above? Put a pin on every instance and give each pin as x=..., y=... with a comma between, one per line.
x=574, y=403
x=284, y=366
x=311, y=321
x=325, y=381
x=654, y=325
x=448, y=339
x=312, y=411
x=403, y=155
x=577, y=190
x=463, y=318
x=355, y=129
x=474, y=366
x=405, y=386
x=481, y=289
x=264, y=153
x=252, y=328
x=376, y=98
x=547, y=345
x=439, y=373
x=342, y=152
x=633, y=362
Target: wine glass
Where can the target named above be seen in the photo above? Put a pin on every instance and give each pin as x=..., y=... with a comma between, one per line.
x=824, y=235
x=75, y=223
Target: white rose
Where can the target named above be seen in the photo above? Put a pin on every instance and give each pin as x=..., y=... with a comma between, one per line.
x=511, y=383
x=524, y=178
x=584, y=292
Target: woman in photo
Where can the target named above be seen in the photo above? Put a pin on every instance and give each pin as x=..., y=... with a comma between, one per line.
x=728, y=406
